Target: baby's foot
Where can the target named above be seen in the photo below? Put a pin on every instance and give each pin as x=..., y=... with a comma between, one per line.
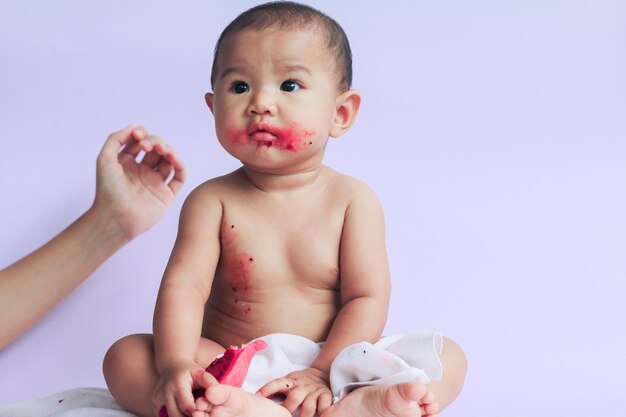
x=410, y=399
x=228, y=401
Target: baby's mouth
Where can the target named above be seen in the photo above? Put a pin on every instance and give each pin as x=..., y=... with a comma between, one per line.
x=290, y=138
x=263, y=136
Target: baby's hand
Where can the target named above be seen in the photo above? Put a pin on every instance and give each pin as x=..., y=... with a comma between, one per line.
x=308, y=389
x=175, y=386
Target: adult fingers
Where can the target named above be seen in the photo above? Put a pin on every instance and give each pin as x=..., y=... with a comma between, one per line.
x=173, y=158
x=114, y=142
x=177, y=181
x=157, y=151
x=135, y=142
x=155, y=148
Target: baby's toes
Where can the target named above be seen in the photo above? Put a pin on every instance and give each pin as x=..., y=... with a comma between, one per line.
x=430, y=409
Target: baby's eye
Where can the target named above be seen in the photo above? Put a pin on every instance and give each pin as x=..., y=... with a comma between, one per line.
x=239, y=87
x=290, y=85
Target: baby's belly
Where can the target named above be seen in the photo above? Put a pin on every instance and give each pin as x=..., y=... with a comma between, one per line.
x=229, y=321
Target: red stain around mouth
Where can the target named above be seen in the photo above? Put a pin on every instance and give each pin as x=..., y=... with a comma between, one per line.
x=292, y=138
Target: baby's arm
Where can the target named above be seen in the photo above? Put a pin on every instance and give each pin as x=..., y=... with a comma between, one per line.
x=365, y=290
x=180, y=304
x=365, y=285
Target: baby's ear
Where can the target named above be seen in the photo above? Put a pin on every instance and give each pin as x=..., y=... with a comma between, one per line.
x=208, y=97
x=346, y=109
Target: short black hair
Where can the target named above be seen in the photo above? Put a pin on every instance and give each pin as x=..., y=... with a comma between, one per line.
x=291, y=15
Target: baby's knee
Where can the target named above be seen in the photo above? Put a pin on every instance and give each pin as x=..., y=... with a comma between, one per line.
x=454, y=363
x=126, y=354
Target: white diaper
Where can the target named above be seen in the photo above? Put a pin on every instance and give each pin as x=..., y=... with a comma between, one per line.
x=392, y=360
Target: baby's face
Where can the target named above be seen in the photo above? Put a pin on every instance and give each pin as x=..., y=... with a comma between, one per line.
x=274, y=99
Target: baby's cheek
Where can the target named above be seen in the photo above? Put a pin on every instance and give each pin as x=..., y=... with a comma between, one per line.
x=294, y=138
x=238, y=137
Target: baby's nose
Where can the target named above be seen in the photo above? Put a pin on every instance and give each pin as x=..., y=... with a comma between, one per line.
x=262, y=103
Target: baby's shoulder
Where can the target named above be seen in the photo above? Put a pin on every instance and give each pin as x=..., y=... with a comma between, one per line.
x=211, y=192
x=353, y=189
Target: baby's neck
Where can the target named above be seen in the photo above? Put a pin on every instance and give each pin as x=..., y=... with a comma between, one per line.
x=272, y=182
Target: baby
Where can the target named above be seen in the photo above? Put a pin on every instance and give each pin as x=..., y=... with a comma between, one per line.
x=283, y=244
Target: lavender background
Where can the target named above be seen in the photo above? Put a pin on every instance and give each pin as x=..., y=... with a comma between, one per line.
x=492, y=131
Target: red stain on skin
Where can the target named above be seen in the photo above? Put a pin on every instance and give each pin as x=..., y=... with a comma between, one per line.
x=291, y=138
x=240, y=308
x=241, y=268
x=238, y=266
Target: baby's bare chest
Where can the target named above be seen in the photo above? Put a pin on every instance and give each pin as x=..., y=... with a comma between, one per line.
x=271, y=247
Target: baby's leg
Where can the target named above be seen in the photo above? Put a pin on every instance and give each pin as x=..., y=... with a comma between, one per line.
x=451, y=383
x=409, y=399
x=226, y=401
x=131, y=375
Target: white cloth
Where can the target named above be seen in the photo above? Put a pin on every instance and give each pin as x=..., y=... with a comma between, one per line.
x=392, y=360
x=79, y=402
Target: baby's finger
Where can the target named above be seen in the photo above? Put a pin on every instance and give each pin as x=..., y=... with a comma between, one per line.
x=430, y=409
x=172, y=408
x=280, y=385
x=295, y=397
x=158, y=402
x=186, y=402
x=324, y=401
x=309, y=405
x=202, y=404
x=203, y=379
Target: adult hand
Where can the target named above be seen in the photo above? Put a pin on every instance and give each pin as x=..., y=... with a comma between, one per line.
x=135, y=190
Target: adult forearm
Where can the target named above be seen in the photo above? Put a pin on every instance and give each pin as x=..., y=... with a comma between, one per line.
x=30, y=287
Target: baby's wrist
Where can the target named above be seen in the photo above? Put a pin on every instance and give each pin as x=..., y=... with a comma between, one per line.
x=320, y=372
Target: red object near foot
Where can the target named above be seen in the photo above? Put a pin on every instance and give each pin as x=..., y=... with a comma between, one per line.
x=231, y=368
